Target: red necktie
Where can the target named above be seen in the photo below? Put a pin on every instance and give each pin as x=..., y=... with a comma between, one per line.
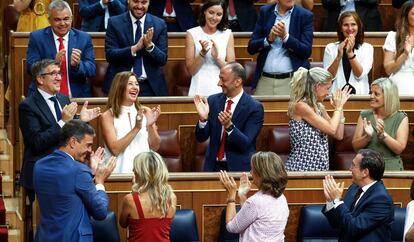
x=220, y=153
x=168, y=6
x=232, y=10
x=64, y=87
x=357, y=194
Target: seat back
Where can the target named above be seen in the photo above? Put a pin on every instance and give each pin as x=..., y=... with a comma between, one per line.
x=184, y=226
x=224, y=235
x=250, y=67
x=279, y=141
x=97, y=81
x=105, y=230
x=10, y=19
x=397, y=228
x=170, y=150
x=199, y=154
x=314, y=226
x=182, y=79
x=343, y=152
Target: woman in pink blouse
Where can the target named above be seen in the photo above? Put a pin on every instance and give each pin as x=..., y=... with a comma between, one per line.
x=264, y=215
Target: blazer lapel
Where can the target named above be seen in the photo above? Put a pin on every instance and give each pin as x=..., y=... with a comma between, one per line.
x=129, y=28
x=43, y=107
x=50, y=41
x=240, y=107
x=271, y=19
x=366, y=195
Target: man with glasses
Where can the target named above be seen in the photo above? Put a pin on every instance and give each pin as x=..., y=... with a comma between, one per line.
x=41, y=117
x=71, y=47
x=366, y=212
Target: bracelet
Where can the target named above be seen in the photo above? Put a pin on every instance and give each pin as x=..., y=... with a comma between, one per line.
x=201, y=54
x=342, y=121
x=350, y=58
x=231, y=201
x=383, y=136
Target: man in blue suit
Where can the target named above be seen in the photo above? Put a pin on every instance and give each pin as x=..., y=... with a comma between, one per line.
x=179, y=17
x=283, y=38
x=71, y=47
x=69, y=184
x=41, y=116
x=95, y=13
x=137, y=41
x=232, y=120
x=367, y=211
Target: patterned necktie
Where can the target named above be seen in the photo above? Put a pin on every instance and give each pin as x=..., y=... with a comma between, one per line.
x=232, y=9
x=64, y=85
x=357, y=194
x=168, y=6
x=138, y=58
x=57, y=108
x=220, y=153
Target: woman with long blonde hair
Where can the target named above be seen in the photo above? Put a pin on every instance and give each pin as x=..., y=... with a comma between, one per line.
x=148, y=211
x=309, y=123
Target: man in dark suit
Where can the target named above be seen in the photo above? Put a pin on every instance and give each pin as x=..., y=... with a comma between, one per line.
x=69, y=185
x=95, y=13
x=242, y=15
x=232, y=120
x=367, y=10
x=71, y=47
x=41, y=117
x=367, y=211
x=177, y=14
x=283, y=38
x=137, y=41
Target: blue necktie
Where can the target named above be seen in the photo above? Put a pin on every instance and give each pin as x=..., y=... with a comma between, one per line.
x=57, y=108
x=138, y=57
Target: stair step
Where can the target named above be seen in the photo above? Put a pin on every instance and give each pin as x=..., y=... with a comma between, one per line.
x=5, y=164
x=13, y=213
x=7, y=186
x=14, y=235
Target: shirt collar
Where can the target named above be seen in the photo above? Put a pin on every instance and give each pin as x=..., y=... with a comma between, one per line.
x=366, y=187
x=235, y=99
x=45, y=95
x=65, y=37
x=287, y=12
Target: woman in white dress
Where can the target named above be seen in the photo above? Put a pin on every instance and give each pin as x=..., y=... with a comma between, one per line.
x=208, y=48
x=128, y=128
x=398, y=54
x=349, y=59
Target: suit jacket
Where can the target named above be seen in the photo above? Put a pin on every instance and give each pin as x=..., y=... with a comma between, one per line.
x=299, y=43
x=367, y=10
x=183, y=12
x=42, y=46
x=40, y=132
x=93, y=15
x=67, y=198
x=370, y=220
x=118, y=42
x=241, y=142
x=246, y=14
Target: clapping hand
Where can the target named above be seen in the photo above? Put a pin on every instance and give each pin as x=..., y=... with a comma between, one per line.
x=229, y=184
x=340, y=97
x=96, y=159
x=138, y=121
x=214, y=50
x=87, y=115
x=245, y=185
x=205, y=46
x=408, y=44
x=202, y=107
x=75, y=57
x=152, y=114
x=147, y=38
x=331, y=189
x=104, y=171
x=380, y=127
x=368, y=129
x=69, y=111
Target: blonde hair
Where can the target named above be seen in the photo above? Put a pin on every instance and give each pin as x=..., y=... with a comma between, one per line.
x=303, y=85
x=391, y=96
x=117, y=92
x=151, y=175
x=271, y=170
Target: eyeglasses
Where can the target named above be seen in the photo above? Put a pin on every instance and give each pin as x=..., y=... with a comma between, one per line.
x=53, y=74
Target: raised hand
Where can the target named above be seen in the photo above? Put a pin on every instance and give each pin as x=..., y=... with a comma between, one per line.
x=273, y=34
x=75, y=57
x=280, y=29
x=69, y=111
x=340, y=97
x=152, y=114
x=408, y=44
x=225, y=118
x=138, y=46
x=331, y=189
x=205, y=46
x=214, y=50
x=380, y=127
x=96, y=159
x=229, y=184
x=147, y=38
x=138, y=121
x=245, y=185
x=202, y=107
x=104, y=171
x=368, y=129
x=87, y=115
x=59, y=55
x=350, y=45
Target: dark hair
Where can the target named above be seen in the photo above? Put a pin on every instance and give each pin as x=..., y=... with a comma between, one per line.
x=359, y=38
x=401, y=26
x=412, y=190
x=238, y=70
x=374, y=162
x=74, y=128
x=271, y=171
x=224, y=23
x=39, y=67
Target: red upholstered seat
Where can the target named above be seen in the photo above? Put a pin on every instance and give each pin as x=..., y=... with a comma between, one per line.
x=4, y=237
x=170, y=150
x=279, y=141
x=97, y=81
x=2, y=212
x=343, y=152
x=199, y=155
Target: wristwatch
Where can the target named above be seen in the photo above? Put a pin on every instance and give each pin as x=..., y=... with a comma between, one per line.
x=230, y=128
